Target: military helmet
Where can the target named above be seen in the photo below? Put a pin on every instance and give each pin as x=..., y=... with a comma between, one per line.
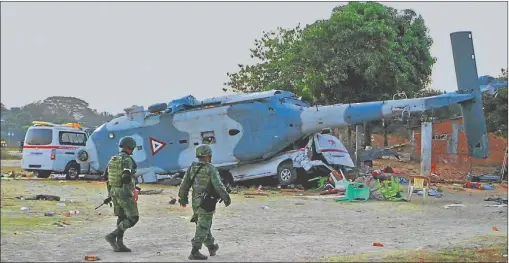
x=203, y=150
x=128, y=142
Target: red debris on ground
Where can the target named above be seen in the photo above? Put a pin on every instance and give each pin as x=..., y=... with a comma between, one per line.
x=453, y=167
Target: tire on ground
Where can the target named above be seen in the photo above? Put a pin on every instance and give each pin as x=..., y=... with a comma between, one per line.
x=72, y=171
x=286, y=173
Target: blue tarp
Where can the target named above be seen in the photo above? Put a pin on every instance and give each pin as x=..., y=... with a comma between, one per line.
x=183, y=103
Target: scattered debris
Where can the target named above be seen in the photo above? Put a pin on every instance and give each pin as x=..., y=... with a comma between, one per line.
x=489, y=187
x=477, y=185
x=49, y=214
x=173, y=201
x=62, y=224
x=431, y=192
x=495, y=229
x=321, y=196
x=290, y=190
x=374, y=187
x=248, y=196
x=61, y=204
x=25, y=209
x=71, y=213
x=299, y=203
x=483, y=178
x=501, y=205
x=151, y=192
x=330, y=192
x=92, y=258
x=265, y=207
x=497, y=199
x=374, y=154
x=40, y=197
x=262, y=194
x=454, y=205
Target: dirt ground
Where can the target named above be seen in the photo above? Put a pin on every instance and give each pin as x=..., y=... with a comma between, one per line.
x=294, y=228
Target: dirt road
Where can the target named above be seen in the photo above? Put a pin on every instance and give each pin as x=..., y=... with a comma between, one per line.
x=292, y=229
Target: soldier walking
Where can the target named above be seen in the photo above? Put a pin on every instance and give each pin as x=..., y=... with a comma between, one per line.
x=205, y=180
x=121, y=190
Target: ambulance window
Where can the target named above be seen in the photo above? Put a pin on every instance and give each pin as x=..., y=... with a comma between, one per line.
x=82, y=138
x=39, y=137
x=71, y=138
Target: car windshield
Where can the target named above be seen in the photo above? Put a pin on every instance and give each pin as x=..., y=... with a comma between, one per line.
x=39, y=137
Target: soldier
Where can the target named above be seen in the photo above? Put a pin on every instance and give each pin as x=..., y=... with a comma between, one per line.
x=204, y=178
x=121, y=190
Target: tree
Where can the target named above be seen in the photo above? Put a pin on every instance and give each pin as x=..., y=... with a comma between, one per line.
x=495, y=109
x=363, y=52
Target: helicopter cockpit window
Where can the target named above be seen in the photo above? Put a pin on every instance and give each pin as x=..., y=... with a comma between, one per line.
x=295, y=101
x=208, y=137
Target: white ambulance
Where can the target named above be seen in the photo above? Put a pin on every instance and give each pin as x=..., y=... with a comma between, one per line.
x=52, y=149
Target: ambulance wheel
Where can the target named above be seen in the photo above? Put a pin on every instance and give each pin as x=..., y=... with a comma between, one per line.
x=42, y=174
x=286, y=174
x=72, y=171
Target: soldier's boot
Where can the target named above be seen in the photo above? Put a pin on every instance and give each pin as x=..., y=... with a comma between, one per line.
x=120, y=243
x=112, y=239
x=213, y=249
x=196, y=255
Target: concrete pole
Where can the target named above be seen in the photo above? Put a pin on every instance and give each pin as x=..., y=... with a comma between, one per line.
x=411, y=135
x=358, y=144
x=349, y=139
x=426, y=140
x=452, y=145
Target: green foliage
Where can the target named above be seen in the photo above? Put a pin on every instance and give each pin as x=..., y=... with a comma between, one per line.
x=363, y=52
x=53, y=109
x=495, y=109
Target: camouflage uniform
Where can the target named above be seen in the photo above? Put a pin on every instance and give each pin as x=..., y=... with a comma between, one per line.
x=121, y=189
x=204, y=178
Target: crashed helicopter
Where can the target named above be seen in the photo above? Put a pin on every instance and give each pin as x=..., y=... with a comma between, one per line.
x=249, y=131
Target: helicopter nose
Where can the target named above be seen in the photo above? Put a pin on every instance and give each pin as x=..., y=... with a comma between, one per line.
x=89, y=155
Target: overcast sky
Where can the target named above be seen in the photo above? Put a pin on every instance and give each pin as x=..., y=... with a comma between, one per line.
x=114, y=55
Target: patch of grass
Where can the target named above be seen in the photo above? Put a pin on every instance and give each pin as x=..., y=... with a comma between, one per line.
x=349, y=258
x=493, y=251
x=15, y=221
x=24, y=222
x=5, y=155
